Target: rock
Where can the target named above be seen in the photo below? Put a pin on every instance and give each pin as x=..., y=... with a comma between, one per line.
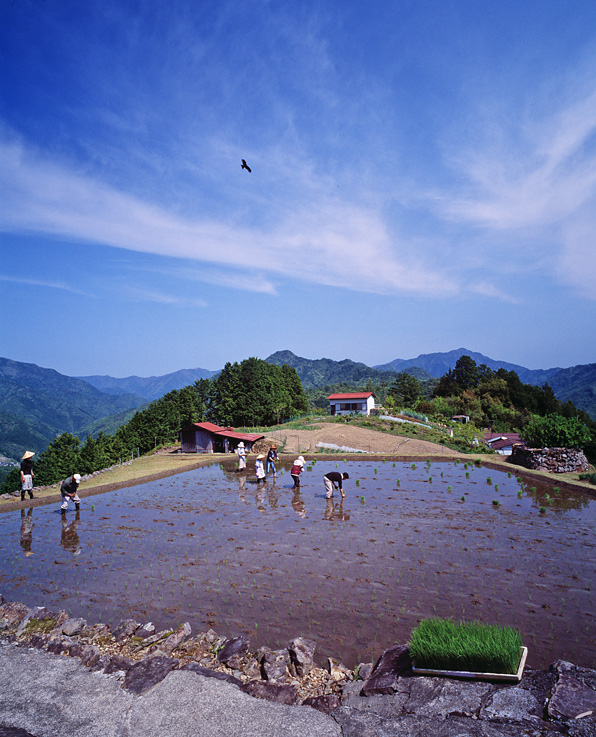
x=302, y=652
x=126, y=629
x=281, y=693
x=118, y=663
x=364, y=671
x=572, y=695
x=326, y=703
x=176, y=638
x=393, y=662
x=208, y=673
x=38, y=618
x=443, y=697
x=98, y=633
x=513, y=703
x=39, y=641
x=274, y=665
x=12, y=613
x=145, y=630
x=59, y=645
x=338, y=670
x=143, y=675
x=89, y=655
x=73, y=626
x=234, y=649
x=252, y=669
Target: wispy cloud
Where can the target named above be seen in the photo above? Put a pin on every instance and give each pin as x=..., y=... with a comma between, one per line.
x=527, y=174
x=43, y=283
x=327, y=241
x=139, y=294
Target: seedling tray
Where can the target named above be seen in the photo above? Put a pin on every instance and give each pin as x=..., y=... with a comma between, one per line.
x=509, y=677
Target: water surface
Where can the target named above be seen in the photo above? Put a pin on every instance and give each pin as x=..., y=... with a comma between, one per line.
x=211, y=547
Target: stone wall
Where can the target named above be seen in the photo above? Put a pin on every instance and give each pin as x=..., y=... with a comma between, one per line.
x=553, y=460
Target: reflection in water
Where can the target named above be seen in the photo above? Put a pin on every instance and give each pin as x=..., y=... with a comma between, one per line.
x=335, y=510
x=414, y=550
x=298, y=503
x=26, y=529
x=69, y=538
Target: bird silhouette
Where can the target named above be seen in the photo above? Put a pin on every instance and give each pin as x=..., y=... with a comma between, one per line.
x=245, y=166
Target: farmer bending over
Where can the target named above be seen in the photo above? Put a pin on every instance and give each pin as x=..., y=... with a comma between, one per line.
x=333, y=480
x=69, y=489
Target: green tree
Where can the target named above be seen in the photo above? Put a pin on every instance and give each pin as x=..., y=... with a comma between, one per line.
x=555, y=431
x=406, y=389
x=59, y=460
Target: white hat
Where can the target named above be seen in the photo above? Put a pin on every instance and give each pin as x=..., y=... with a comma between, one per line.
x=241, y=444
x=77, y=478
x=299, y=461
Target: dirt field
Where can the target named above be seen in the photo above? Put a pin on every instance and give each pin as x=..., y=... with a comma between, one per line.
x=359, y=438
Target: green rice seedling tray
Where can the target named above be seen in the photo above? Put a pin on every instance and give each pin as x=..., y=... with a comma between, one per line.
x=508, y=677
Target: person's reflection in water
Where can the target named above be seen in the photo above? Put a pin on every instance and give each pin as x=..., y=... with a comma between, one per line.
x=242, y=487
x=335, y=511
x=27, y=530
x=298, y=503
x=272, y=492
x=260, y=499
x=69, y=538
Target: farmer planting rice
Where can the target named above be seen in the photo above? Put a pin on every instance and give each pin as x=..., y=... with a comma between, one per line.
x=69, y=490
x=333, y=480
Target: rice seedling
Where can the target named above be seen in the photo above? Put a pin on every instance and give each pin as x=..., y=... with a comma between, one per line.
x=542, y=510
x=496, y=502
x=489, y=480
x=463, y=498
x=449, y=488
x=520, y=493
x=470, y=646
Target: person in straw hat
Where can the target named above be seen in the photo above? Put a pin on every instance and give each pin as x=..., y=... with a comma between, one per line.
x=241, y=450
x=259, y=468
x=27, y=474
x=271, y=458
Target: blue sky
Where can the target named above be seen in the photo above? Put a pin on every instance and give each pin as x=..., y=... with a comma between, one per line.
x=423, y=178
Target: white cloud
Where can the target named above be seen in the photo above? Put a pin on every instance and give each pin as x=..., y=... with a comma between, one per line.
x=43, y=283
x=327, y=241
x=532, y=174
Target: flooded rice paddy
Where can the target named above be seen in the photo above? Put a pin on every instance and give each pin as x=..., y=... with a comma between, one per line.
x=410, y=541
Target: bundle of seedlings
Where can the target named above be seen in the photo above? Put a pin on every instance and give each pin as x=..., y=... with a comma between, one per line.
x=441, y=644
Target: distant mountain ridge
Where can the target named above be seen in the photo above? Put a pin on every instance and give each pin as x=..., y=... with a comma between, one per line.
x=577, y=383
x=149, y=387
x=438, y=364
x=324, y=371
x=36, y=404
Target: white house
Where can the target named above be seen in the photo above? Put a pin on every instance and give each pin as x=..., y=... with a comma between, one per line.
x=345, y=404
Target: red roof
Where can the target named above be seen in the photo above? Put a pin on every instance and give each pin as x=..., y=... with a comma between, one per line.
x=251, y=436
x=225, y=432
x=352, y=395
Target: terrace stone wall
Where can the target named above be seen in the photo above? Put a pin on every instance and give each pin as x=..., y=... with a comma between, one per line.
x=553, y=460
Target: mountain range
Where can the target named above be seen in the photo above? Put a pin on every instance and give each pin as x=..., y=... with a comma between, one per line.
x=36, y=404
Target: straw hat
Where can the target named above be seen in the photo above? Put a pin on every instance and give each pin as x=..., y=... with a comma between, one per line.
x=260, y=456
x=27, y=454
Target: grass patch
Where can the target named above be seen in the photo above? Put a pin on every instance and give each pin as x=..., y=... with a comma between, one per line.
x=591, y=477
x=440, y=644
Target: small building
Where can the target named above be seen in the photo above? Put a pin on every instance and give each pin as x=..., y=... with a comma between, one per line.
x=464, y=419
x=347, y=403
x=503, y=442
x=206, y=437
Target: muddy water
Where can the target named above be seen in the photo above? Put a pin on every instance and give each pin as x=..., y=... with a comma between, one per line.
x=211, y=547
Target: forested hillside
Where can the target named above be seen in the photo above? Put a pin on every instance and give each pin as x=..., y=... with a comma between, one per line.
x=250, y=393
x=38, y=403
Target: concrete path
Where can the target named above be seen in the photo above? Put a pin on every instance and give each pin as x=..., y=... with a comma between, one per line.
x=45, y=695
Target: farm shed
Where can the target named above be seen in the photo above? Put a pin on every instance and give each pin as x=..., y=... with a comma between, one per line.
x=503, y=443
x=206, y=437
x=348, y=402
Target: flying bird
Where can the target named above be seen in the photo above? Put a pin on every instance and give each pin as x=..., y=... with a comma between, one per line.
x=245, y=166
